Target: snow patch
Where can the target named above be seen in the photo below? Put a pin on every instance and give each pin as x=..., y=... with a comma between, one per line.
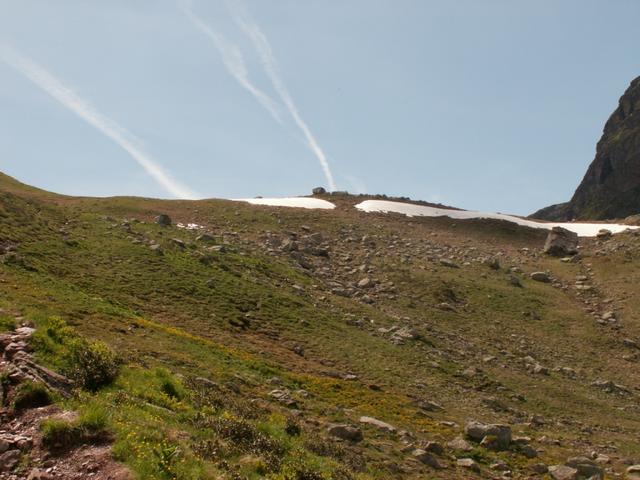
x=296, y=202
x=189, y=226
x=411, y=210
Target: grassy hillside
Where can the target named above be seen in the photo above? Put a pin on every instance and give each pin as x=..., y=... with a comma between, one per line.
x=240, y=349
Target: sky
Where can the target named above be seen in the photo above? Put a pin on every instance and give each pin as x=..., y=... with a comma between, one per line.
x=492, y=105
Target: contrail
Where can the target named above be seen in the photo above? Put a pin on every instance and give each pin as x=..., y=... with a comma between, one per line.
x=69, y=99
x=233, y=61
x=262, y=46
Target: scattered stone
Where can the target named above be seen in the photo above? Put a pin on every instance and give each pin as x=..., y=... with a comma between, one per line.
x=468, y=463
x=604, y=234
x=460, y=444
x=37, y=474
x=379, y=424
x=539, y=468
x=633, y=472
x=9, y=459
x=611, y=387
x=448, y=263
x=205, y=238
x=430, y=406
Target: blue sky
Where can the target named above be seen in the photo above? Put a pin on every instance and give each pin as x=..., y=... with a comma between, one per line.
x=488, y=105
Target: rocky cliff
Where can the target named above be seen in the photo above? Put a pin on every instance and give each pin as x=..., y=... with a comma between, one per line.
x=611, y=186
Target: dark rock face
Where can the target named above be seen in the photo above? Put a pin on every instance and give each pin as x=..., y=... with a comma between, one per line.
x=611, y=186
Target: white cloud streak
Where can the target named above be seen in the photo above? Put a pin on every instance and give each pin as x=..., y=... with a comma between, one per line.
x=70, y=100
x=270, y=65
x=233, y=61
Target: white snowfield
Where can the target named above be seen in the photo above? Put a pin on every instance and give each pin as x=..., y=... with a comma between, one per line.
x=299, y=202
x=411, y=210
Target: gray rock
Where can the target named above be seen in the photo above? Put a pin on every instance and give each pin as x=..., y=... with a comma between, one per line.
x=468, y=463
x=586, y=467
x=479, y=431
x=9, y=459
x=379, y=424
x=563, y=472
x=430, y=406
x=540, y=277
x=433, y=447
x=205, y=238
x=427, y=458
x=539, y=468
x=561, y=242
x=319, y=191
x=163, y=220
x=528, y=451
x=460, y=444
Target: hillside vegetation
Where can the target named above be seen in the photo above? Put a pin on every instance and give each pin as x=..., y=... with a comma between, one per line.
x=252, y=346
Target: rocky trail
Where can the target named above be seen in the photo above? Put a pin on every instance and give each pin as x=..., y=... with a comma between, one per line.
x=23, y=454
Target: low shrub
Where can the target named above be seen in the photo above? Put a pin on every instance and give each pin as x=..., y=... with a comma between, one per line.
x=31, y=395
x=92, y=365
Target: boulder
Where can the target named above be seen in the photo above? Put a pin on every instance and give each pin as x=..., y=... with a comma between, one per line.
x=319, y=191
x=563, y=472
x=561, y=242
x=540, y=277
x=379, y=424
x=163, y=220
x=495, y=435
x=586, y=467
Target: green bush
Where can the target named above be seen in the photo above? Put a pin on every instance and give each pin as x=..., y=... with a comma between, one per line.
x=31, y=395
x=92, y=365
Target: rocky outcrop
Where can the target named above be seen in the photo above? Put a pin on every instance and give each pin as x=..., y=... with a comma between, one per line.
x=611, y=186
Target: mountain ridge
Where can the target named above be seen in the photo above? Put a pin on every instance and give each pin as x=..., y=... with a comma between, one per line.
x=611, y=186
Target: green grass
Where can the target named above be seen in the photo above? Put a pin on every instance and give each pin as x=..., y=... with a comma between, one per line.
x=7, y=323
